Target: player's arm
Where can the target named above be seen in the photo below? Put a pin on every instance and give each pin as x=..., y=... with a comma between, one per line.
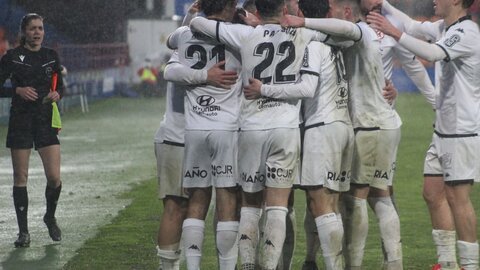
x=331, y=26
x=411, y=26
x=193, y=10
x=303, y=88
x=182, y=74
x=230, y=35
x=427, y=51
x=417, y=72
x=5, y=73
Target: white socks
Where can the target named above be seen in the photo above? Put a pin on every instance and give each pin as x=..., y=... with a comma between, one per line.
x=330, y=233
x=311, y=237
x=193, y=234
x=389, y=224
x=285, y=262
x=468, y=253
x=169, y=257
x=356, y=230
x=445, y=243
x=271, y=243
x=227, y=244
x=248, y=234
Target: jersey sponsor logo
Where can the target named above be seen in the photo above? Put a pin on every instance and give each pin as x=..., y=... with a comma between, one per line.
x=342, y=103
x=305, y=58
x=339, y=177
x=253, y=178
x=21, y=57
x=205, y=100
x=279, y=173
x=226, y=170
x=265, y=103
x=206, y=106
x=380, y=174
x=454, y=39
x=196, y=173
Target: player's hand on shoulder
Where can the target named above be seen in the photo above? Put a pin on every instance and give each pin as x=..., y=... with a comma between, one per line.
x=253, y=90
x=249, y=18
x=219, y=77
x=27, y=93
x=292, y=21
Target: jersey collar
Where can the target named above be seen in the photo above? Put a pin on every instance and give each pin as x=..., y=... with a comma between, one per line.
x=466, y=17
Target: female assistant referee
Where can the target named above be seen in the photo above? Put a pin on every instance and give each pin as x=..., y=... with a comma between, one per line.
x=30, y=68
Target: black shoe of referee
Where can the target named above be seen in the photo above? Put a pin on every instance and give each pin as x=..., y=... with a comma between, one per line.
x=53, y=229
x=23, y=240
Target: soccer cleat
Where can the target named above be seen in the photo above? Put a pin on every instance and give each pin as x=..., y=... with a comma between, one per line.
x=307, y=265
x=53, y=229
x=23, y=240
x=439, y=267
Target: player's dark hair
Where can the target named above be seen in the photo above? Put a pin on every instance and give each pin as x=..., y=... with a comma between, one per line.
x=269, y=8
x=314, y=8
x=25, y=21
x=211, y=7
x=249, y=5
x=467, y=3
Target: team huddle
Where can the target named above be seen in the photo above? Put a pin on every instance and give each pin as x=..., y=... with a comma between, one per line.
x=300, y=95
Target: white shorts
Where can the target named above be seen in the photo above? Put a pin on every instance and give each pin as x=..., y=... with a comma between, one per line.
x=268, y=158
x=210, y=159
x=169, y=169
x=327, y=156
x=455, y=159
x=374, y=156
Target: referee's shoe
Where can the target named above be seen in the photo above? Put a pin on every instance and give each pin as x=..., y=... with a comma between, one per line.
x=53, y=229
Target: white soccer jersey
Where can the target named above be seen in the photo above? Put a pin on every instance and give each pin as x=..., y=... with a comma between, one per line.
x=457, y=77
x=208, y=107
x=368, y=108
x=330, y=101
x=172, y=126
x=271, y=54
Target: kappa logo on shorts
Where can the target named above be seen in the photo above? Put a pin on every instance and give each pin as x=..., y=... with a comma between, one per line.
x=244, y=237
x=454, y=39
x=279, y=173
x=342, y=177
x=205, y=100
x=446, y=160
x=195, y=247
x=269, y=243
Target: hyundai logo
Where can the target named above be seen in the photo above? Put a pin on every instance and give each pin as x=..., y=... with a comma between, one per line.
x=205, y=100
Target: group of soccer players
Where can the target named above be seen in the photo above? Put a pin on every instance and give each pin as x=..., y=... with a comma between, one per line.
x=244, y=90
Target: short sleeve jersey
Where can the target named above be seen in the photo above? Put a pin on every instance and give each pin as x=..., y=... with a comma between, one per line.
x=458, y=79
x=273, y=55
x=330, y=101
x=172, y=126
x=208, y=107
x=363, y=61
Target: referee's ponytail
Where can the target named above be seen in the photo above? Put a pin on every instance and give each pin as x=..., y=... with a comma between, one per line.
x=25, y=21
